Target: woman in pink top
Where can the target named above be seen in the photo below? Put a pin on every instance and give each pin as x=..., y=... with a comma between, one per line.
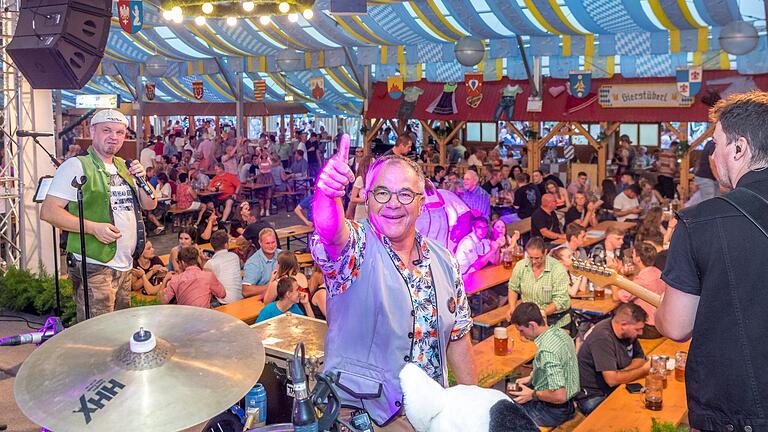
x=649, y=277
x=186, y=197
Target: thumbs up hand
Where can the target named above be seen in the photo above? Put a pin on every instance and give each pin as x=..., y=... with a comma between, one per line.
x=336, y=174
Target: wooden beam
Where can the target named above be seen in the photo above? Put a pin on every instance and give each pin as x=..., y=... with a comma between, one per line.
x=612, y=128
x=378, y=123
x=677, y=133
x=592, y=141
x=534, y=155
x=456, y=128
x=516, y=131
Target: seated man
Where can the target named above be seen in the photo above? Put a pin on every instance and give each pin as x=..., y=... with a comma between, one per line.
x=191, y=286
x=626, y=207
x=261, y=265
x=299, y=166
x=527, y=196
x=475, y=250
x=540, y=279
x=580, y=185
x=608, y=252
x=228, y=186
x=474, y=196
x=288, y=299
x=649, y=277
x=225, y=265
x=611, y=356
x=304, y=209
x=544, y=221
x=575, y=235
x=546, y=393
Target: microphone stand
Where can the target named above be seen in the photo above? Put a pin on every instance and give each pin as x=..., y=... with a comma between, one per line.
x=78, y=184
x=56, y=164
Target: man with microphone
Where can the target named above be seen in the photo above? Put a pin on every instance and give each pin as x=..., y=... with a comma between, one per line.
x=114, y=194
x=394, y=296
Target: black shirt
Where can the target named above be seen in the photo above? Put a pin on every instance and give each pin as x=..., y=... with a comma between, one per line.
x=602, y=352
x=573, y=214
x=661, y=260
x=717, y=254
x=541, y=219
x=489, y=187
x=312, y=147
x=527, y=199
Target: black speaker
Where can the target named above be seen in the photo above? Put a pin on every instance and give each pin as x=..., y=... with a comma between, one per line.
x=59, y=44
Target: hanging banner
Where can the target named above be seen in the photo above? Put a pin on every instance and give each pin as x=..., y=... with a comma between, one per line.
x=130, y=13
x=473, y=81
x=658, y=95
x=149, y=91
x=317, y=85
x=198, y=90
x=395, y=87
x=689, y=81
x=580, y=83
x=259, y=89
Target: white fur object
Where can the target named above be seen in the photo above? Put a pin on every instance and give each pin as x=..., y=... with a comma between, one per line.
x=432, y=408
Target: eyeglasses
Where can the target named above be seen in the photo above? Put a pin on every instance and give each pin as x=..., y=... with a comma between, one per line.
x=383, y=195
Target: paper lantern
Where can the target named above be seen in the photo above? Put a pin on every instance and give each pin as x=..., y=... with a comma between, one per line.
x=469, y=50
x=156, y=66
x=738, y=38
x=290, y=61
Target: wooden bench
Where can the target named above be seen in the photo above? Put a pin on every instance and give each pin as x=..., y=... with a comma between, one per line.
x=604, y=305
x=623, y=411
x=492, y=318
x=246, y=310
x=181, y=217
x=285, y=197
x=294, y=231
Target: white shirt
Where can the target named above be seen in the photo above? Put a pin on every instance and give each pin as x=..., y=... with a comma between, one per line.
x=470, y=249
x=147, y=157
x=303, y=147
x=225, y=265
x=121, y=200
x=623, y=202
x=361, y=210
x=166, y=193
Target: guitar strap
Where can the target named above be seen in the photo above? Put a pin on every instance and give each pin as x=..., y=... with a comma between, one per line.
x=752, y=205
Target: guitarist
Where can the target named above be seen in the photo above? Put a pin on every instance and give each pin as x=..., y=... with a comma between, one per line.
x=112, y=204
x=716, y=271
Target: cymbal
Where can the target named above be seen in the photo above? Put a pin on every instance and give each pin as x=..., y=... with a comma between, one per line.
x=88, y=378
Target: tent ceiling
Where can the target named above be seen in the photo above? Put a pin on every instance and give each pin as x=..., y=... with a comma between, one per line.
x=415, y=39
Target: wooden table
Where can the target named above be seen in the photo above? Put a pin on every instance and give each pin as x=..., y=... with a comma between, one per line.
x=305, y=259
x=290, y=232
x=604, y=306
x=246, y=310
x=596, y=234
x=623, y=411
x=485, y=278
x=249, y=190
x=492, y=368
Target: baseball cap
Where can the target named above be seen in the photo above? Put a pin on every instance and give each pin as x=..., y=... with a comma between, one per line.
x=109, y=115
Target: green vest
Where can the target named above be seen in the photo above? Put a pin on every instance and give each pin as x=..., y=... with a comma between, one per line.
x=96, y=204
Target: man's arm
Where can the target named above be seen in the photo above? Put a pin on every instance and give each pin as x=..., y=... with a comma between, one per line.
x=461, y=360
x=331, y=187
x=547, y=233
x=301, y=216
x=54, y=212
x=147, y=203
x=676, y=314
x=631, y=373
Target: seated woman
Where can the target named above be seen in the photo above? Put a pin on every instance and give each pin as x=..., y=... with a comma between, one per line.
x=576, y=284
x=288, y=299
x=164, y=195
x=318, y=294
x=186, y=197
x=505, y=242
x=563, y=202
x=148, y=270
x=287, y=266
x=187, y=236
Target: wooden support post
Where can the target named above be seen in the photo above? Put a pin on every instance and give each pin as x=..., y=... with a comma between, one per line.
x=377, y=124
x=534, y=157
x=538, y=145
x=263, y=124
x=290, y=120
x=146, y=128
x=282, y=124
x=216, y=127
x=685, y=161
x=440, y=143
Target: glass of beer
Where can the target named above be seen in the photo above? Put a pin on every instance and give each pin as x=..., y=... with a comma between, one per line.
x=500, y=341
x=659, y=363
x=654, y=391
x=517, y=254
x=599, y=292
x=507, y=257
x=680, y=358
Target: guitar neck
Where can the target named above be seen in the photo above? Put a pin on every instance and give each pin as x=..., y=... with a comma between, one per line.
x=636, y=290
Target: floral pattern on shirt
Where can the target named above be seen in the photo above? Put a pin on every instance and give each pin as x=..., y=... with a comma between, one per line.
x=342, y=272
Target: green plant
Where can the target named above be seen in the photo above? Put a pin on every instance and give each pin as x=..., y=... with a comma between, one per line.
x=657, y=426
x=682, y=148
x=139, y=302
x=35, y=293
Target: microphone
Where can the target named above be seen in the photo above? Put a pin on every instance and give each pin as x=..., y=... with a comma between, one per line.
x=32, y=134
x=27, y=338
x=142, y=181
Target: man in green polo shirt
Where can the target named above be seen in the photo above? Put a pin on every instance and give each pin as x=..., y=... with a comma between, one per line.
x=546, y=394
x=541, y=279
x=112, y=205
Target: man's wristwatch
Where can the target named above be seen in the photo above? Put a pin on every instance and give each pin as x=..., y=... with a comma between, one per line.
x=534, y=396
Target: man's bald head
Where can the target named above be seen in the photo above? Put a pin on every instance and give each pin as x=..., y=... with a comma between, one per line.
x=548, y=202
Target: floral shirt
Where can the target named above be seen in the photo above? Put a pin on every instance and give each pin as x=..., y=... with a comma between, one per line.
x=341, y=273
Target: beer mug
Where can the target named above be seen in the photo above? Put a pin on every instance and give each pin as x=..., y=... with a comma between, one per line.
x=680, y=358
x=500, y=341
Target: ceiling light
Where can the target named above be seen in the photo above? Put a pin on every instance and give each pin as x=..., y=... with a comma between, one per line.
x=231, y=21
x=200, y=20
x=308, y=14
x=178, y=15
x=293, y=17
x=167, y=15
x=248, y=6
x=264, y=19
x=207, y=8
x=284, y=7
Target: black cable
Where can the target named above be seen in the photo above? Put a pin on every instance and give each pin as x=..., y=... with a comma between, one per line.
x=17, y=318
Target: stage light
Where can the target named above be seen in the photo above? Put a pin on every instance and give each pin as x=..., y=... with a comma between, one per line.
x=308, y=14
x=284, y=7
x=200, y=20
x=248, y=6
x=231, y=21
x=293, y=17
x=207, y=8
x=178, y=15
x=264, y=20
x=167, y=15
